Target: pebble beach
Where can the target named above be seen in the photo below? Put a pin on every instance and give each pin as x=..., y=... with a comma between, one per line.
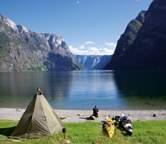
x=80, y=115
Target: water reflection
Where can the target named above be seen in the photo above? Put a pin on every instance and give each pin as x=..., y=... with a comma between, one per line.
x=17, y=89
x=89, y=88
x=84, y=89
x=141, y=83
x=57, y=85
x=142, y=90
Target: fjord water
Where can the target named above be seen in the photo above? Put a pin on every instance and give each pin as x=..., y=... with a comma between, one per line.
x=84, y=89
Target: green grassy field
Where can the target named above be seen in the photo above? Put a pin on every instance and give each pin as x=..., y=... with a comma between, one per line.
x=146, y=132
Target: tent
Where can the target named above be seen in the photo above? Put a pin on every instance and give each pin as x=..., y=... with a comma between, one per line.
x=38, y=119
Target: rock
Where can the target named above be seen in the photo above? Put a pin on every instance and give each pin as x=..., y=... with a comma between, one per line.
x=66, y=141
x=24, y=50
x=148, y=50
x=90, y=62
x=154, y=115
x=126, y=40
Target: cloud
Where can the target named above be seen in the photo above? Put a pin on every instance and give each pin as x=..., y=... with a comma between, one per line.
x=110, y=44
x=89, y=43
x=84, y=49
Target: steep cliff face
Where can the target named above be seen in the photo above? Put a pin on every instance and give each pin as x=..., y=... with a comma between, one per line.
x=23, y=50
x=91, y=62
x=148, y=51
x=126, y=40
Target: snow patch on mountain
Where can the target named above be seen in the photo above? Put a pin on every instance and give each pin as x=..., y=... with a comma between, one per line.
x=8, y=22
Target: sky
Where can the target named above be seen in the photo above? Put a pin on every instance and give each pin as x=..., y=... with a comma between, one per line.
x=87, y=26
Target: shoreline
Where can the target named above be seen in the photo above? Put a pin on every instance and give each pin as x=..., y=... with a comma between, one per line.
x=80, y=115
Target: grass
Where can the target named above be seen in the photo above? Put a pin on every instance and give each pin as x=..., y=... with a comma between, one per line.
x=145, y=132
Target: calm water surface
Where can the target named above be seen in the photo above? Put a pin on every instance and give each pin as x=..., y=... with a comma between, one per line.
x=84, y=89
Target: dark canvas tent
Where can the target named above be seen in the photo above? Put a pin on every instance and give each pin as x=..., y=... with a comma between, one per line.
x=38, y=119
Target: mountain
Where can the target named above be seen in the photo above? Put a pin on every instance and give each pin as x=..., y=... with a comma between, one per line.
x=127, y=39
x=24, y=50
x=90, y=62
x=148, y=49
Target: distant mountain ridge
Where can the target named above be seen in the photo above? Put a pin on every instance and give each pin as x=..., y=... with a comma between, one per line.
x=148, y=50
x=24, y=50
x=91, y=62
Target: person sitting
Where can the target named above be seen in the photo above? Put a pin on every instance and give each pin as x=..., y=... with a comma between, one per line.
x=91, y=118
x=95, y=112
